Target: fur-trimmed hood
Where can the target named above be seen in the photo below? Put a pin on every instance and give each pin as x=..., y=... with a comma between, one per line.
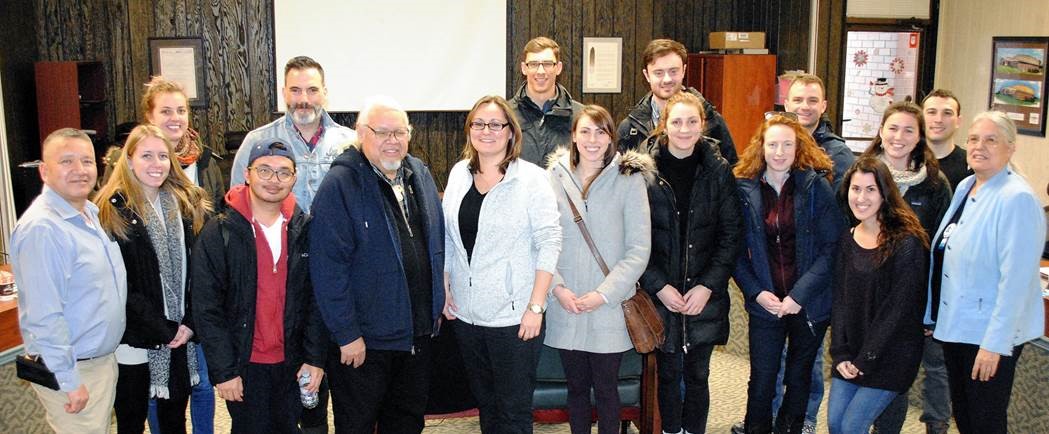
x=629, y=162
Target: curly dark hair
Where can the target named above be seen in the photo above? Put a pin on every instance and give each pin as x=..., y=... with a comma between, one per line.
x=895, y=216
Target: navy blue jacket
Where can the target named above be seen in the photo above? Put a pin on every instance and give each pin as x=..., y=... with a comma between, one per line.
x=836, y=149
x=818, y=224
x=355, y=254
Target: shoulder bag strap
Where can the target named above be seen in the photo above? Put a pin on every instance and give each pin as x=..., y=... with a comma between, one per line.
x=586, y=234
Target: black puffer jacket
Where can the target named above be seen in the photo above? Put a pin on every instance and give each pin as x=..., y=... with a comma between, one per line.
x=544, y=132
x=225, y=281
x=715, y=234
x=929, y=200
x=633, y=131
x=146, y=325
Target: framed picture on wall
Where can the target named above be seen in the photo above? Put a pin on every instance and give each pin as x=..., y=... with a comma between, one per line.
x=1018, y=79
x=181, y=60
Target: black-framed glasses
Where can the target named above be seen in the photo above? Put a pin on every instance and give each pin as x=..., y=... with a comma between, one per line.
x=266, y=173
x=493, y=126
x=534, y=66
x=399, y=134
x=789, y=115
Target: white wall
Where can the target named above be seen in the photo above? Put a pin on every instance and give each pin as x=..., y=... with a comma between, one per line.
x=963, y=64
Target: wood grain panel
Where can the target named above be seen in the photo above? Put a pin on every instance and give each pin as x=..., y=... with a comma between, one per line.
x=238, y=50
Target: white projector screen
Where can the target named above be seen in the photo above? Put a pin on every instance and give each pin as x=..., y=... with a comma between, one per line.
x=428, y=55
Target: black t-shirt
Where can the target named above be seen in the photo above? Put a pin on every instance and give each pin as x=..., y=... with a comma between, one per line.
x=955, y=167
x=415, y=257
x=938, y=250
x=681, y=174
x=469, y=212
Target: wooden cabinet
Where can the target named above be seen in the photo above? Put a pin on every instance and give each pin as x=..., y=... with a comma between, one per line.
x=741, y=86
x=72, y=94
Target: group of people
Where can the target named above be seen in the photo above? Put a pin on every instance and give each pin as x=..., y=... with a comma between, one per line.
x=331, y=262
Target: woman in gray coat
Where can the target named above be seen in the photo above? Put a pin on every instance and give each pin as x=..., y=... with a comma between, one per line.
x=586, y=324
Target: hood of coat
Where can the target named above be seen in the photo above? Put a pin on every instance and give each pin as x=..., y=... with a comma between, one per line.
x=238, y=199
x=629, y=163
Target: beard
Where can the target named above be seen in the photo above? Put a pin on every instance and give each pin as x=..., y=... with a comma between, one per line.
x=391, y=165
x=304, y=118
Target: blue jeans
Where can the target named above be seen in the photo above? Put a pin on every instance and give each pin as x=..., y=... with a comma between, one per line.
x=201, y=402
x=815, y=389
x=852, y=409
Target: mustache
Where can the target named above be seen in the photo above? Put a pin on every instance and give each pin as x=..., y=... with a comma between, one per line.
x=302, y=105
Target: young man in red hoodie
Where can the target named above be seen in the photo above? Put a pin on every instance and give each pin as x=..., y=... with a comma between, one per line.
x=259, y=321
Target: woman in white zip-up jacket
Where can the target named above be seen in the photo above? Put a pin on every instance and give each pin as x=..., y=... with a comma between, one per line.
x=586, y=323
x=502, y=240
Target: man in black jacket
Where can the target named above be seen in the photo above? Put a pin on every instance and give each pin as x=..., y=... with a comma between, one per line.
x=543, y=107
x=256, y=314
x=665, y=72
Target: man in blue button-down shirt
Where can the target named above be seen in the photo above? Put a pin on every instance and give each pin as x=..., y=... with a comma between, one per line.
x=314, y=137
x=72, y=286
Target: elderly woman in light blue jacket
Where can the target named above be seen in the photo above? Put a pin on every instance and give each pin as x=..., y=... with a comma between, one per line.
x=586, y=323
x=984, y=288
x=502, y=240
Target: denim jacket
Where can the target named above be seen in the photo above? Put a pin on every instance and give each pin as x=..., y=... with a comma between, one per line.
x=310, y=166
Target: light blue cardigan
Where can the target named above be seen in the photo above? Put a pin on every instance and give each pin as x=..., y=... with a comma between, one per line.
x=990, y=293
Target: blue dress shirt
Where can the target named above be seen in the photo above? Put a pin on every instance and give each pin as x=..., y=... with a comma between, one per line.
x=72, y=285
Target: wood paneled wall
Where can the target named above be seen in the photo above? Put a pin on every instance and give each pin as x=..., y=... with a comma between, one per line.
x=238, y=43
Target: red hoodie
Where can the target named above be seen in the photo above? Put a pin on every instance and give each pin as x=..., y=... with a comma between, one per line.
x=267, y=345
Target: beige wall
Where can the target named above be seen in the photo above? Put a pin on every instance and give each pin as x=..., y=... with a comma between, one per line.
x=963, y=64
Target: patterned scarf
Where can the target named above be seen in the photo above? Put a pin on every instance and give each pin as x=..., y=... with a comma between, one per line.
x=906, y=179
x=168, y=241
x=188, y=150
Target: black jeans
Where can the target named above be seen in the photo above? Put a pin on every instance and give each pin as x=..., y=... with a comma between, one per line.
x=389, y=391
x=695, y=368
x=317, y=417
x=584, y=370
x=892, y=418
x=271, y=400
x=501, y=370
x=767, y=339
x=979, y=406
x=132, y=402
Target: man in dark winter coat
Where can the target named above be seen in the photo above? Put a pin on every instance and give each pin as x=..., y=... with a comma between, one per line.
x=807, y=98
x=378, y=268
x=543, y=107
x=665, y=72
x=254, y=307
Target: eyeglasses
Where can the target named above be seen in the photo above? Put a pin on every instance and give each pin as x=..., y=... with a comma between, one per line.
x=493, y=126
x=789, y=115
x=534, y=66
x=399, y=134
x=266, y=173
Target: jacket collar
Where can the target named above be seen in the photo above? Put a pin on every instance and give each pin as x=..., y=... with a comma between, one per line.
x=562, y=101
x=62, y=207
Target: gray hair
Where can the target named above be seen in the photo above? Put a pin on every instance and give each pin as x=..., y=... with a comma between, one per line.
x=379, y=103
x=1006, y=127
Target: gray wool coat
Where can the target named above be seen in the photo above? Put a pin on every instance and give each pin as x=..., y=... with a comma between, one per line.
x=617, y=215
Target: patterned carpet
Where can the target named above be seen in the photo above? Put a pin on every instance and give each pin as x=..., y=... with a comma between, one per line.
x=21, y=413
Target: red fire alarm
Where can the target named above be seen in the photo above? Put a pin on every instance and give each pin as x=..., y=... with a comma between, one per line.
x=913, y=42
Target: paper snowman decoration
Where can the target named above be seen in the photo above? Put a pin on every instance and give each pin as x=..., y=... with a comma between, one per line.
x=881, y=95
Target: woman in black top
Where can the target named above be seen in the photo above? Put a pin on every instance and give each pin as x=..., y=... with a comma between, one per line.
x=879, y=299
x=697, y=229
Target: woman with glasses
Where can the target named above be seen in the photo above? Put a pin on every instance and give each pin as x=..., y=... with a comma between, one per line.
x=696, y=232
x=792, y=225
x=502, y=241
x=901, y=145
x=984, y=289
x=154, y=212
x=879, y=295
x=586, y=324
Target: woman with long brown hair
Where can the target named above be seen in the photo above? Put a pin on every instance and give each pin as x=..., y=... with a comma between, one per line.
x=154, y=212
x=879, y=297
x=792, y=225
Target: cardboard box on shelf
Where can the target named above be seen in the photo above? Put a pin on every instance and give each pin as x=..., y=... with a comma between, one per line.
x=725, y=40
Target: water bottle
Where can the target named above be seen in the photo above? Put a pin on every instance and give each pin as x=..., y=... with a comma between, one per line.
x=309, y=399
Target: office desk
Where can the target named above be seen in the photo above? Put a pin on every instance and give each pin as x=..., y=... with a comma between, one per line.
x=10, y=336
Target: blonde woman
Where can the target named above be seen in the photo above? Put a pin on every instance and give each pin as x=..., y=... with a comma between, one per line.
x=154, y=212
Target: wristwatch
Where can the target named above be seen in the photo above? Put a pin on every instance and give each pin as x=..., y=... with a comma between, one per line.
x=535, y=308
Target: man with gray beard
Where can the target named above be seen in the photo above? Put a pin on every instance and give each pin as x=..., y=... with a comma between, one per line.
x=377, y=266
x=313, y=136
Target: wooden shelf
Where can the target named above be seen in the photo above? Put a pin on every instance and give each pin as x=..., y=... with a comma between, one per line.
x=741, y=86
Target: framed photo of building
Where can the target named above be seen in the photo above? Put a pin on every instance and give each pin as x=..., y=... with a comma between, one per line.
x=1018, y=81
